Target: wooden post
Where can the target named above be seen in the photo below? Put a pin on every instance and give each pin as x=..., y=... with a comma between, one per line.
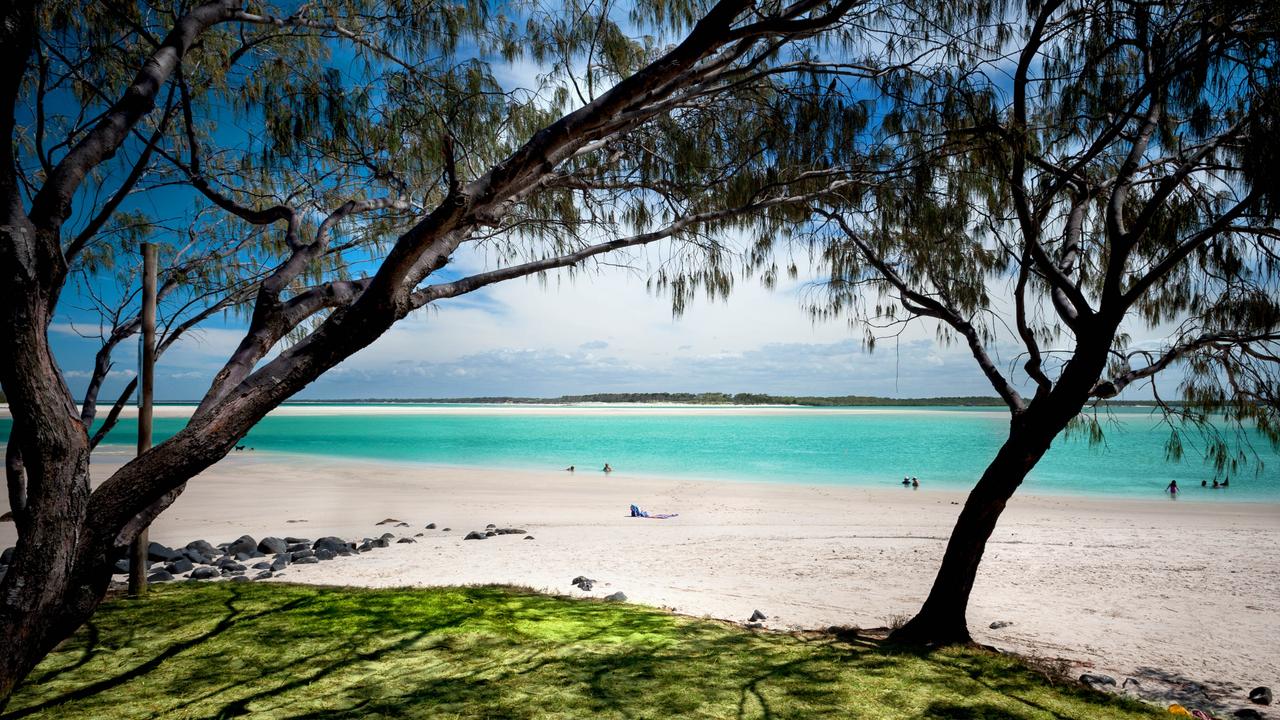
x=138, y=564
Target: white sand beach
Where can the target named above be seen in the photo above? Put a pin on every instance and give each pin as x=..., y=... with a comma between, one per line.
x=1130, y=588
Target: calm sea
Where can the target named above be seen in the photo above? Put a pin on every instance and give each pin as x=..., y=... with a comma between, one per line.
x=944, y=447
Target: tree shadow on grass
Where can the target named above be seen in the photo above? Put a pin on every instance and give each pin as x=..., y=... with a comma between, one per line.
x=232, y=616
x=292, y=652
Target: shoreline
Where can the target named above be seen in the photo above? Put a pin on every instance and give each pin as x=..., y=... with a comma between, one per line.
x=587, y=409
x=1116, y=586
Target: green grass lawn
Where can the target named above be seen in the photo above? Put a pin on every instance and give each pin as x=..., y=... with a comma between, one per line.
x=280, y=651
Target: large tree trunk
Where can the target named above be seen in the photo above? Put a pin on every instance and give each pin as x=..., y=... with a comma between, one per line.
x=941, y=619
x=51, y=589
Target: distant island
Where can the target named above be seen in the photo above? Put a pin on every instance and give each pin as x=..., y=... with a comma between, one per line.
x=709, y=398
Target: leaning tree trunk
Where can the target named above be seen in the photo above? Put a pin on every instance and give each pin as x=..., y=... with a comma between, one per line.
x=56, y=576
x=942, y=618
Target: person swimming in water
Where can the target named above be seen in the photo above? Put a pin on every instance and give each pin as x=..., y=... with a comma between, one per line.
x=569, y=469
x=905, y=481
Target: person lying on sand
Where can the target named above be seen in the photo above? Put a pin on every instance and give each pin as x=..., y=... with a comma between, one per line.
x=636, y=512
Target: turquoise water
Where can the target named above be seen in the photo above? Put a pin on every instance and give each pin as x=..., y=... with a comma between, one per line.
x=944, y=448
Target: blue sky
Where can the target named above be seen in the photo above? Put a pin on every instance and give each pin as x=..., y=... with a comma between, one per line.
x=597, y=332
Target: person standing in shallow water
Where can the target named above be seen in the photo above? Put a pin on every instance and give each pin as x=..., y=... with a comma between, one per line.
x=607, y=468
x=1172, y=489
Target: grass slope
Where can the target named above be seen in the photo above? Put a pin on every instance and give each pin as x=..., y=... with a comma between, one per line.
x=279, y=651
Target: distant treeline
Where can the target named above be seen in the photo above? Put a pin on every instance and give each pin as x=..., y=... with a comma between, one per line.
x=712, y=399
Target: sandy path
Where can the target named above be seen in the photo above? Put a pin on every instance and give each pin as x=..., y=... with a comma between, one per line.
x=1118, y=585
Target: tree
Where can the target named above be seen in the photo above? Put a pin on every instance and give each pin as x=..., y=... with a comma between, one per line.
x=1054, y=179
x=380, y=140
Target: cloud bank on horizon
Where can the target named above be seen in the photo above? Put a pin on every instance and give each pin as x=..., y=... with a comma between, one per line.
x=597, y=332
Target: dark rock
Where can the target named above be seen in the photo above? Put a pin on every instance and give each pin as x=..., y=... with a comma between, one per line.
x=196, y=556
x=446, y=530
x=419, y=534
x=159, y=553
x=510, y=531
x=299, y=555
x=388, y=521
x=257, y=554
x=528, y=537
x=490, y=526
x=203, y=547
x=431, y=526
x=325, y=554
x=1097, y=681
x=179, y=566
x=204, y=573
x=1247, y=714
x=231, y=573
x=490, y=533
x=261, y=565
x=756, y=616
x=336, y=545
x=160, y=576
x=405, y=541
x=295, y=540
x=7, y=516
x=232, y=567
x=616, y=597
x=1261, y=695
x=402, y=524
x=122, y=566
x=583, y=582
x=281, y=562
x=240, y=578
x=365, y=546
x=262, y=575
x=1132, y=684
x=242, y=556
x=999, y=624
x=298, y=547
x=309, y=560
x=475, y=535
x=243, y=544
x=387, y=536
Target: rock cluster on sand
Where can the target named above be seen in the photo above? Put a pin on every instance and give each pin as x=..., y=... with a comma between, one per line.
x=202, y=560
x=1163, y=692
x=492, y=530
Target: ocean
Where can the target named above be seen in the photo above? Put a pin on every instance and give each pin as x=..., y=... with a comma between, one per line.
x=944, y=447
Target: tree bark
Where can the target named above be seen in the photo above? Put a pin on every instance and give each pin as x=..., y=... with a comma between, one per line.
x=942, y=619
